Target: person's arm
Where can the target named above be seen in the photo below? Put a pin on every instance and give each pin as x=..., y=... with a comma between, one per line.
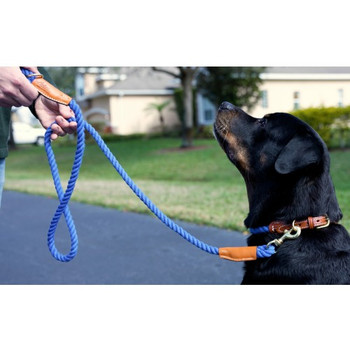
x=16, y=90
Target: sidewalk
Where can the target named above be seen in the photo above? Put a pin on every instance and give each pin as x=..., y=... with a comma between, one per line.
x=114, y=247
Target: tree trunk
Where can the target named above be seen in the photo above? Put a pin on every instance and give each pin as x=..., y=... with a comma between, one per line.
x=187, y=75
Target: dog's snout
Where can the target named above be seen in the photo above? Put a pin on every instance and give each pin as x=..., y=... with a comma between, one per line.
x=227, y=105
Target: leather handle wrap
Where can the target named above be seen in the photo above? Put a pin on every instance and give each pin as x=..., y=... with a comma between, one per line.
x=51, y=92
x=238, y=253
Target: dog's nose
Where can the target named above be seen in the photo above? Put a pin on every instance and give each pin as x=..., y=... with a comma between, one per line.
x=227, y=105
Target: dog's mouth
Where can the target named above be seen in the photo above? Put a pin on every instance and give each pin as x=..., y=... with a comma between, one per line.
x=226, y=113
x=231, y=129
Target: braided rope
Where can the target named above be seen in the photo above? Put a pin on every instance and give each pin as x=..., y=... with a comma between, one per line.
x=64, y=196
x=262, y=229
x=29, y=74
x=265, y=251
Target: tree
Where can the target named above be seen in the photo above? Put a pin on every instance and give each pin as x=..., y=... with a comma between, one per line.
x=159, y=108
x=186, y=76
x=238, y=85
x=64, y=78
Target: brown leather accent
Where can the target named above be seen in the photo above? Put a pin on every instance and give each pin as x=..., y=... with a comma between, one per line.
x=51, y=92
x=238, y=253
x=310, y=223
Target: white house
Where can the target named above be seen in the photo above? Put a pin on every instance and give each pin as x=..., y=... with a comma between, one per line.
x=285, y=89
x=118, y=98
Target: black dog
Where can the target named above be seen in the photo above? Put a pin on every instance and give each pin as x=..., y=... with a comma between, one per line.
x=285, y=165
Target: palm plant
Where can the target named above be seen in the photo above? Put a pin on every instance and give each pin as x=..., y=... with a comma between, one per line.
x=159, y=107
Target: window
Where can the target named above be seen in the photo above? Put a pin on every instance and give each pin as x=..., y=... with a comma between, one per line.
x=209, y=115
x=340, y=98
x=296, y=100
x=79, y=85
x=264, y=102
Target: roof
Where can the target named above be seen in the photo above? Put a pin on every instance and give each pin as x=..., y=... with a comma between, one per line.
x=145, y=78
x=308, y=70
x=146, y=81
x=138, y=81
x=306, y=73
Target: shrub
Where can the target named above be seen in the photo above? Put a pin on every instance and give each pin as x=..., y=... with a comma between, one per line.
x=331, y=123
x=205, y=132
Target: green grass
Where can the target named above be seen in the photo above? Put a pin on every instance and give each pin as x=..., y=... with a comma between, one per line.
x=199, y=185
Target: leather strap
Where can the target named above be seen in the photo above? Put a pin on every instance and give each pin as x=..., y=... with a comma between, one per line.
x=310, y=223
x=238, y=253
x=51, y=92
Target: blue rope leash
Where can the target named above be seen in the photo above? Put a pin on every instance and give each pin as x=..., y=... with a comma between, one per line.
x=64, y=196
x=261, y=229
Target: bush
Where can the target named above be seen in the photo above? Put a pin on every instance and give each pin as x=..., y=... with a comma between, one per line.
x=331, y=123
x=205, y=132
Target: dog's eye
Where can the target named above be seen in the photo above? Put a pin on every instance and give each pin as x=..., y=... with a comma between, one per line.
x=262, y=122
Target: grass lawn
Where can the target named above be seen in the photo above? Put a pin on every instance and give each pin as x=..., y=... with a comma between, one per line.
x=199, y=185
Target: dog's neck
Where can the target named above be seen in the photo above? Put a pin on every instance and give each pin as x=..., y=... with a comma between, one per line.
x=293, y=198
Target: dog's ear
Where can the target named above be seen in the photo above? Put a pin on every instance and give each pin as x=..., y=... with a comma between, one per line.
x=301, y=151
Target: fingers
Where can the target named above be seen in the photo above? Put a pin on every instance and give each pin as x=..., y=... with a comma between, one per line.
x=65, y=125
x=56, y=132
x=49, y=112
x=62, y=127
x=28, y=93
x=53, y=137
x=8, y=102
x=15, y=89
x=65, y=111
x=19, y=93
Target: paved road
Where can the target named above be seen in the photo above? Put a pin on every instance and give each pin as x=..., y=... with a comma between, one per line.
x=114, y=247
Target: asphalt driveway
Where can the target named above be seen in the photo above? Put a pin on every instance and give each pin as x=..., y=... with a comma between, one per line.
x=114, y=247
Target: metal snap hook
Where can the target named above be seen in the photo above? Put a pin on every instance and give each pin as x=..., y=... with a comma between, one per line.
x=287, y=235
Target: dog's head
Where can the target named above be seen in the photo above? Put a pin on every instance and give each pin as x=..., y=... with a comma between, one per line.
x=276, y=155
x=278, y=143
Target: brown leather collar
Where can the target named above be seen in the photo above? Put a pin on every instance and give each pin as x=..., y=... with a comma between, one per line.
x=309, y=223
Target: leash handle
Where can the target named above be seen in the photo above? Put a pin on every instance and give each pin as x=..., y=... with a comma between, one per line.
x=46, y=89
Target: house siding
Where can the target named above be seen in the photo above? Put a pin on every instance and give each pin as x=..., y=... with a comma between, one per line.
x=313, y=93
x=129, y=114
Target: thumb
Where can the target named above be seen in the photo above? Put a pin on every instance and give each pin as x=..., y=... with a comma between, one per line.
x=65, y=111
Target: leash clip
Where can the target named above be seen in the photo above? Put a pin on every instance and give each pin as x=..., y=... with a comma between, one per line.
x=287, y=235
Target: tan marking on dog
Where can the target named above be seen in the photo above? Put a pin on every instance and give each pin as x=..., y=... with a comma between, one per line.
x=240, y=152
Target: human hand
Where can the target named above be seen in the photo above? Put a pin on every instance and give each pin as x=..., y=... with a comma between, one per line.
x=49, y=111
x=15, y=89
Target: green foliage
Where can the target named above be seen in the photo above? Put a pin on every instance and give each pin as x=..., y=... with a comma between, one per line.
x=157, y=106
x=205, y=132
x=238, y=85
x=64, y=78
x=332, y=123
